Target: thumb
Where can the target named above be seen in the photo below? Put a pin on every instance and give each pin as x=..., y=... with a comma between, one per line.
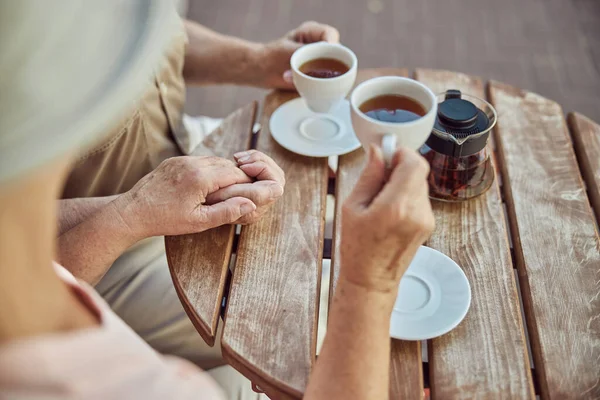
x=288, y=77
x=225, y=212
x=371, y=179
x=290, y=46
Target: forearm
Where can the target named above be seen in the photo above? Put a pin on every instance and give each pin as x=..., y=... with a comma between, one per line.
x=354, y=360
x=72, y=212
x=213, y=58
x=88, y=249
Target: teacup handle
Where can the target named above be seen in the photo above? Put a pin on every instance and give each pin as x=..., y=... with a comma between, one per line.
x=388, y=146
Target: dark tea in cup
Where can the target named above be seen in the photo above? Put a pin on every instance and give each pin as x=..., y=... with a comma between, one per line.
x=324, y=68
x=392, y=112
x=393, y=108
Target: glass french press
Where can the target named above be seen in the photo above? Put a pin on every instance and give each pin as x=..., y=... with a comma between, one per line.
x=457, y=149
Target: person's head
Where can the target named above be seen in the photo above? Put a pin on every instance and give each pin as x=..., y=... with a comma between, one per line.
x=68, y=70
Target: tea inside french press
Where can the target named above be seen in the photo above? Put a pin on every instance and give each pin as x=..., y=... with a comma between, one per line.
x=457, y=149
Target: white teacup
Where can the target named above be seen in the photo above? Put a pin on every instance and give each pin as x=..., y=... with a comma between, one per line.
x=390, y=135
x=321, y=95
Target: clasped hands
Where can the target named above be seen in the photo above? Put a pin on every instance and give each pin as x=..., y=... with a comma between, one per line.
x=193, y=194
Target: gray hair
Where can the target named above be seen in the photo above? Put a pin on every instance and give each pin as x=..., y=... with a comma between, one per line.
x=69, y=69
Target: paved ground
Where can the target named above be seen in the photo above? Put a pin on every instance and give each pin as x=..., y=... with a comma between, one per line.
x=551, y=47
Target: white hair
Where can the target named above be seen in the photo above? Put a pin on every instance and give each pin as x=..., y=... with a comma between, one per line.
x=70, y=68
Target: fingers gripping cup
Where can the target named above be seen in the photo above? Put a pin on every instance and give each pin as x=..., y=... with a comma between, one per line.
x=391, y=112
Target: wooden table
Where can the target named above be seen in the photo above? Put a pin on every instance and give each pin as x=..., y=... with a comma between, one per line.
x=531, y=239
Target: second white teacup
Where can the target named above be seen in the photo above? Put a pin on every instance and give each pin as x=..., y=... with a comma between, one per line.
x=390, y=135
x=322, y=94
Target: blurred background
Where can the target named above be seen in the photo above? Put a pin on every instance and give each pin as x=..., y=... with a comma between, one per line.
x=551, y=47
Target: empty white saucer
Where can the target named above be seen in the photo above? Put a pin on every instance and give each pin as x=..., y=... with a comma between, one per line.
x=302, y=131
x=433, y=298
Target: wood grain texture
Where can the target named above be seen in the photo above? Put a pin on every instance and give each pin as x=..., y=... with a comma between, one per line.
x=586, y=140
x=406, y=370
x=556, y=242
x=406, y=374
x=199, y=262
x=486, y=355
x=272, y=309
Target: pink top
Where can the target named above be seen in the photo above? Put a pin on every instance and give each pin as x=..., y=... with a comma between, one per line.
x=105, y=362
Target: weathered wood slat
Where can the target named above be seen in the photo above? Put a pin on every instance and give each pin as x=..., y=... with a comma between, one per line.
x=556, y=242
x=199, y=262
x=486, y=355
x=406, y=374
x=406, y=370
x=272, y=308
x=586, y=140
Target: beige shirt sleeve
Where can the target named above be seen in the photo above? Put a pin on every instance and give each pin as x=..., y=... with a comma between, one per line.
x=151, y=132
x=107, y=362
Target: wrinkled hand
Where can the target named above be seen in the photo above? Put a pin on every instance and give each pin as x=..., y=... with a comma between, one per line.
x=172, y=199
x=276, y=55
x=268, y=187
x=384, y=223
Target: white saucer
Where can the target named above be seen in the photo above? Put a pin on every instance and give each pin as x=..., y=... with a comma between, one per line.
x=302, y=131
x=433, y=298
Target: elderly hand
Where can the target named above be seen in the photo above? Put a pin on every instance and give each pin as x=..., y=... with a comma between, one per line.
x=276, y=55
x=384, y=221
x=172, y=199
x=268, y=187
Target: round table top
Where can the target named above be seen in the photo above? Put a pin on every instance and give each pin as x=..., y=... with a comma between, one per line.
x=532, y=236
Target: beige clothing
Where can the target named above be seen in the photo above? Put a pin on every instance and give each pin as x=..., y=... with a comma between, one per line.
x=105, y=362
x=139, y=289
x=149, y=134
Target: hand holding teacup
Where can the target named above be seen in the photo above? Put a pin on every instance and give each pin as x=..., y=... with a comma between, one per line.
x=323, y=74
x=318, y=123
x=385, y=220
